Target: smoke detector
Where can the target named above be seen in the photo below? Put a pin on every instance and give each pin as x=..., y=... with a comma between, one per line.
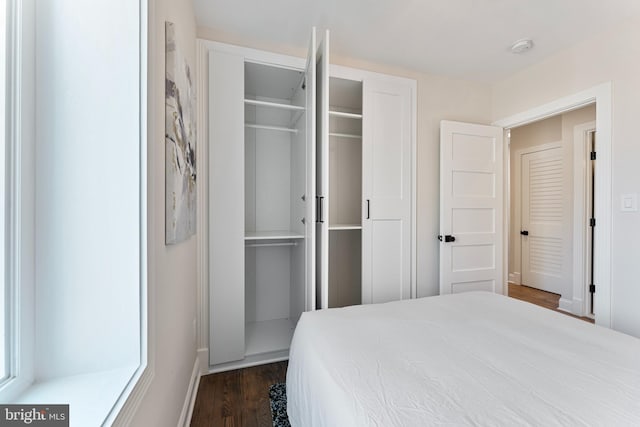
x=522, y=46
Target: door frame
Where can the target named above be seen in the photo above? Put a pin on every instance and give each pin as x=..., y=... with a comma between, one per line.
x=601, y=95
x=581, y=200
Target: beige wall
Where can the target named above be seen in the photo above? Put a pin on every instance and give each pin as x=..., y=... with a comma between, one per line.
x=615, y=57
x=554, y=129
x=172, y=282
x=439, y=98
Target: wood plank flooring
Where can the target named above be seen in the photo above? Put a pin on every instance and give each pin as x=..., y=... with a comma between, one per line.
x=237, y=398
x=240, y=398
x=544, y=299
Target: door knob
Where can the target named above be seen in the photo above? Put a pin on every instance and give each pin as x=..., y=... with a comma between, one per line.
x=524, y=232
x=447, y=238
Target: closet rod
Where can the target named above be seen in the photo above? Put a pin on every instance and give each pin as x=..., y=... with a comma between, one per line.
x=345, y=135
x=260, y=245
x=278, y=128
x=273, y=104
x=345, y=115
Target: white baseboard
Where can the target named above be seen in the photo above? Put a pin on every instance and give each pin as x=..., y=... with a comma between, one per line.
x=203, y=357
x=514, y=278
x=565, y=305
x=577, y=307
x=190, y=398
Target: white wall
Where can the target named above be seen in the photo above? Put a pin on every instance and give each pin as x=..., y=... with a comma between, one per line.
x=172, y=283
x=615, y=57
x=439, y=98
x=87, y=187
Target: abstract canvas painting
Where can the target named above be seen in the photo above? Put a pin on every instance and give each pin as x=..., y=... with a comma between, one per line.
x=180, y=143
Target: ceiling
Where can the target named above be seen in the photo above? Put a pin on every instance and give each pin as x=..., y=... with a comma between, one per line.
x=461, y=38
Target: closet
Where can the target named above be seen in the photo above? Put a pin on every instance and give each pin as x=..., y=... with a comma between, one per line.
x=310, y=194
x=260, y=113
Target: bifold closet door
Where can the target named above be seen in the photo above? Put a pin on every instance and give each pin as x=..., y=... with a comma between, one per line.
x=386, y=188
x=322, y=173
x=226, y=208
x=310, y=215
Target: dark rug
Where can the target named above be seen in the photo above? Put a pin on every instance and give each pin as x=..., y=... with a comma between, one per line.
x=278, y=400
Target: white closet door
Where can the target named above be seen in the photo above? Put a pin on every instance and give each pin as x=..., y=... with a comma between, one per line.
x=322, y=181
x=226, y=207
x=546, y=221
x=386, y=188
x=471, y=180
x=310, y=215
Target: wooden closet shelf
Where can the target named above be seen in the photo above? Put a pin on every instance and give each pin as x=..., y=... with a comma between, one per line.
x=272, y=235
x=265, y=127
x=273, y=105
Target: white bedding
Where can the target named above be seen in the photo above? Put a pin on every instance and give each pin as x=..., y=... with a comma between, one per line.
x=467, y=359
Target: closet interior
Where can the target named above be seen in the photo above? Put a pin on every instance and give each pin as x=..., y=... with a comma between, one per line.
x=275, y=179
x=345, y=192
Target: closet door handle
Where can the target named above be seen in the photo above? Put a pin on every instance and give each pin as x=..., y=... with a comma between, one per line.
x=321, y=209
x=368, y=209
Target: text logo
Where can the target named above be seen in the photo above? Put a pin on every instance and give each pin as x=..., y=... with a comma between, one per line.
x=34, y=415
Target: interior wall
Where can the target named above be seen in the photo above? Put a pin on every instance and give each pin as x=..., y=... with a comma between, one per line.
x=172, y=283
x=554, y=129
x=439, y=98
x=613, y=56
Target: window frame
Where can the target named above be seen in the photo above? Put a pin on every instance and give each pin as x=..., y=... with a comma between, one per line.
x=20, y=199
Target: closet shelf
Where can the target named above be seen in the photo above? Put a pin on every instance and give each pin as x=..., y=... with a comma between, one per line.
x=345, y=115
x=273, y=105
x=265, y=127
x=345, y=227
x=272, y=235
x=345, y=135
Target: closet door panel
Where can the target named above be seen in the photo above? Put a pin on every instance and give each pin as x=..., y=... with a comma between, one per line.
x=310, y=215
x=226, y=208
x=386, y=190
x=322, y=173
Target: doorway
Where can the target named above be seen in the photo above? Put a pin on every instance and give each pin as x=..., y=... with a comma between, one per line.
x=551, y=182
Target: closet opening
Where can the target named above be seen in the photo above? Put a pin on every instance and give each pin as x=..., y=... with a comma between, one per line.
x=275, y=182
x=345, y=192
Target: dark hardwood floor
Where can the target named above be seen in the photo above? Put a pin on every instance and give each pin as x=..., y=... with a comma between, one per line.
x=240, y=398
x=237, y=398
x=542, y=298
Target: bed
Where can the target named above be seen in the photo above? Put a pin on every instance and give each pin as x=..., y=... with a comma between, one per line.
x=467, y=359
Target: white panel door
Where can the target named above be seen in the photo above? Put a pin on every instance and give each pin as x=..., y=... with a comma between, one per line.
x=226, y=207
x=471, y=197
x=546, y=251
x=386, y=190
x=322, y=172
x=310, y=215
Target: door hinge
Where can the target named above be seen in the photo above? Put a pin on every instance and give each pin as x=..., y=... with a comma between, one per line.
x=593, y=155
x=304, y=84
x=592, y=288
x=592, y=222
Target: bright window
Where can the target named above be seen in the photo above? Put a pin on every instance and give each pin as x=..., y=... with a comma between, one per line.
x=3, y=80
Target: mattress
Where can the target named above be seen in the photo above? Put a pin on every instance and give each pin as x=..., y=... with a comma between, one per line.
x=467, y=359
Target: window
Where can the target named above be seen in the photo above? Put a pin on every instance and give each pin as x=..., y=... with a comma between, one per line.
x=3, y=149
x=75, y=248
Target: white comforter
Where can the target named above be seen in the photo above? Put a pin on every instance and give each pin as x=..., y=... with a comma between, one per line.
x=468, y=359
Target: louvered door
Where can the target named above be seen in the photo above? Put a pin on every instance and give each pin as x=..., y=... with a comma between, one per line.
x=546, y=249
